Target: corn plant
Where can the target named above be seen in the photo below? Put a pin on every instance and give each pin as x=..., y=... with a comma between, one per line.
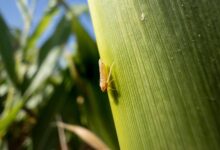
x=166, y=73
x=41, y=81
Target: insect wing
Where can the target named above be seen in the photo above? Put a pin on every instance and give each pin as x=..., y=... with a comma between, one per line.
x=103, y=76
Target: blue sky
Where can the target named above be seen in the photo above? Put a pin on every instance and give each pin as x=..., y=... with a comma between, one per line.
x=10, y=11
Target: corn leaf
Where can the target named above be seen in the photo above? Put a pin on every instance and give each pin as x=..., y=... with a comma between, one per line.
x=44, y=132
x=166, y=71
x=40, y=29
x=97, y=106
x=79, y=9
x=9, y=117
x=44, y=71
x=59, y=37
x=7, y=52
x=86, y=135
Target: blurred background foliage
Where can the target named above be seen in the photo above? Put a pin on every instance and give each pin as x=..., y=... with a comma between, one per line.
x=41, y=78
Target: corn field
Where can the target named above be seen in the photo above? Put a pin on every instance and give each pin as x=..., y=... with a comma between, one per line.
x=149, y=79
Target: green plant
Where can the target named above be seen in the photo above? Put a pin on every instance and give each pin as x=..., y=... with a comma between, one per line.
x=35, y=86
x=166, y=71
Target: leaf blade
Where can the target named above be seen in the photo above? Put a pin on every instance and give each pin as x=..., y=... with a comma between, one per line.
x=7, y=53
x=86, y=135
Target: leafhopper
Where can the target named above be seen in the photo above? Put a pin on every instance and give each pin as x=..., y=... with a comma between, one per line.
x=104, y=76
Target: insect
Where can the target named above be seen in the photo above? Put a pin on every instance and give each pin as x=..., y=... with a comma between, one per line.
x=142, y=16
x=104, y=76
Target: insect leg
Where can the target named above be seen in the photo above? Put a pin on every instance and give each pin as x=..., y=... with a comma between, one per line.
x=110, y=71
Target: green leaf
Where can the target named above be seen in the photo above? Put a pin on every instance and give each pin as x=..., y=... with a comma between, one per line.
x=79, y=9
x=44, y=133
x=59, y=37
x=23, y=7
x=96, y=105
x=40, y=29
x=87, y=53
x=166, y=71
x=99, y=115
x=10, y=116
x=44, y=71
x=7, y=52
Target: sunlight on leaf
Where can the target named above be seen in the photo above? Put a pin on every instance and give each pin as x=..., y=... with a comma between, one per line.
x=44, y=71
x=6, y=120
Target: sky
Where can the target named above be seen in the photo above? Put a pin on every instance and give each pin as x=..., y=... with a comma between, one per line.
x=10, y=12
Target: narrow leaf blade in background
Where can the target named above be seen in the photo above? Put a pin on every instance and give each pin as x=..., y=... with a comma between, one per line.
x=44, y=71
x=86, y=135
x=97, y=107
x=40, y=29
x=59, y=37
x=7, y=52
